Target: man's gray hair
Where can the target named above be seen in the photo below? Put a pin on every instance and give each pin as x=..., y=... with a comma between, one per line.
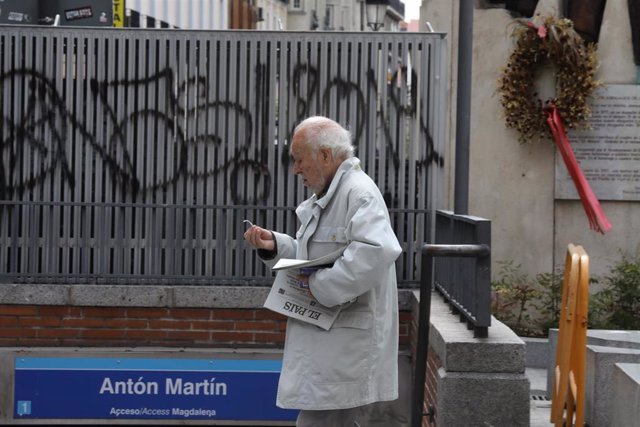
x=322, y=132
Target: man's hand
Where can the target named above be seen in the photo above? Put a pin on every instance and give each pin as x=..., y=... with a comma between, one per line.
x=259, y=238
x=303, y=279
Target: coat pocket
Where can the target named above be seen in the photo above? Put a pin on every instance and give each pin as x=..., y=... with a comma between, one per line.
x=343, y=354
x=330, y=235
x=354, y=319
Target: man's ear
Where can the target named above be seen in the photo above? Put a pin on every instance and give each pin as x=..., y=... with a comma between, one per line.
x=326, y=154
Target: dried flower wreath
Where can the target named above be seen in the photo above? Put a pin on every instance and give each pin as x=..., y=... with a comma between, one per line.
x=575, y=61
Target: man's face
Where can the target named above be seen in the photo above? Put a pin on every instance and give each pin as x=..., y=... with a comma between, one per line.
x=308, y=164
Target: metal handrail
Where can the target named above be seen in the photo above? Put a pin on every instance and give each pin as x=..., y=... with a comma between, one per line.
x=429, y=252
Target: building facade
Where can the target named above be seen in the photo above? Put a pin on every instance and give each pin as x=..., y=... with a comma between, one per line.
x=187, y=14
x=275, y=15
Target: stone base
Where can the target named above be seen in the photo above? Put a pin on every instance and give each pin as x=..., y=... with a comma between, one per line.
x=626, y=394
x=481, y=381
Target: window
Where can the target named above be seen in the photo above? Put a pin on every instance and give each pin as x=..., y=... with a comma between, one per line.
x=329, y=17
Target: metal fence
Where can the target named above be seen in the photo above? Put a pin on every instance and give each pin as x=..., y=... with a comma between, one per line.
x=134, y=155
x=462, y=268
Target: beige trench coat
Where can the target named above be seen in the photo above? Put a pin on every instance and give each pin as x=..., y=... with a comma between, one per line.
x=356, y=361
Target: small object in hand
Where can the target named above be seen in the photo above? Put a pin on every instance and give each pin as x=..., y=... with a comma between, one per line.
x=248, y=222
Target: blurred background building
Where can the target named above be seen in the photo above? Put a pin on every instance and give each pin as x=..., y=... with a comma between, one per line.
x=295, y=15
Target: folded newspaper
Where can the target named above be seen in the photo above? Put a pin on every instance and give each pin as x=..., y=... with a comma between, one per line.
x=325, y=260
x=288, y=297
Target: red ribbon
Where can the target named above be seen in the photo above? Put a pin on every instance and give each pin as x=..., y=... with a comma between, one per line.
x=597, y=219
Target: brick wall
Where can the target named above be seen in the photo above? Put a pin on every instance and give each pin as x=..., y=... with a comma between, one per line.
x=431, y=387
x=77, y=326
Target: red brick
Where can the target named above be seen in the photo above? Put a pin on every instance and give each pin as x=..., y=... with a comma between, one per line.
x=126, y=323
x=57, y=333
x=190, y=313
x=406, y=316
x=54, y=310
x=18, y=310
x=169, y=324
x=233, y=314
x=83, y=323
x=102, y=333
x=118, y=326
x=269, y=315
x=8, y=321
x=31, y=322
x=269, y=338
x=17, y=332
x=212, y=325
x=189, y=335
x=147, y=312
x=103, y=312
x=255, y=326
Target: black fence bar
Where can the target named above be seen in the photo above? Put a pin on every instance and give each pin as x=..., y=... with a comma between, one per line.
x=132, y=158
x=465, y=281
x=152, y=243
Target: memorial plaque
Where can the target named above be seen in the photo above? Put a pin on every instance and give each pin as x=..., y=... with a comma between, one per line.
x=609, y=152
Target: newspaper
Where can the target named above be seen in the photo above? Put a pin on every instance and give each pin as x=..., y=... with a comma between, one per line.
x=323, y=261
x=288, y=297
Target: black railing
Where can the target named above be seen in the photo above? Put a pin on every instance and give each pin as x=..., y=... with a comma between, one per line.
x=460, y=271
x=465, y=280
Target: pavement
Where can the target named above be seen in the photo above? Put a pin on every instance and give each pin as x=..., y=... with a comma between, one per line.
x=540, y=403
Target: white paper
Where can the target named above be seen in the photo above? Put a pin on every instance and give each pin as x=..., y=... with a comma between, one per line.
x=327, y=259
x=288, y=298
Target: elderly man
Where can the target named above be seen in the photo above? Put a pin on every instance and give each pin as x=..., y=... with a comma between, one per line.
x=336, y=377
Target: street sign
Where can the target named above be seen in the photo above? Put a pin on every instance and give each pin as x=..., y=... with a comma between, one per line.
x=147, y=388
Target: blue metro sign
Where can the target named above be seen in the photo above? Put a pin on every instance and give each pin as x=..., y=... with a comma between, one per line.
x=147, y=388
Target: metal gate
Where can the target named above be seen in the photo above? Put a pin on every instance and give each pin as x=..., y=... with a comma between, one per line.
x=134, y=155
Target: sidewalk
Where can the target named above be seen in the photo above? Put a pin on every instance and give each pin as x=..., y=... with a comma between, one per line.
x=540, y=404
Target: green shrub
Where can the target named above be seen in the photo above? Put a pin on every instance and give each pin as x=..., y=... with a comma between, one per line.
x=617, y=306
x=530, y=306
x=548, y=304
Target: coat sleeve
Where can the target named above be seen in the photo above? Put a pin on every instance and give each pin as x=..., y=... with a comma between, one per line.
x=287, y=247
x=372, y=248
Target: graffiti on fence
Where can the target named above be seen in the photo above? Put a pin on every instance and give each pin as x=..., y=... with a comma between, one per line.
x=37, y=135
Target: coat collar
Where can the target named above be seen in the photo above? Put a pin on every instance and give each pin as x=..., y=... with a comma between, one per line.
x=352, y=163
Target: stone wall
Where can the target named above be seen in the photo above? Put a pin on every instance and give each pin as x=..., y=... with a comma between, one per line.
x=142, y=316
x=473, y=381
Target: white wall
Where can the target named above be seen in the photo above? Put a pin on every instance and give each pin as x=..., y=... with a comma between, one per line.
x=274, y=14
x=513, y=184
